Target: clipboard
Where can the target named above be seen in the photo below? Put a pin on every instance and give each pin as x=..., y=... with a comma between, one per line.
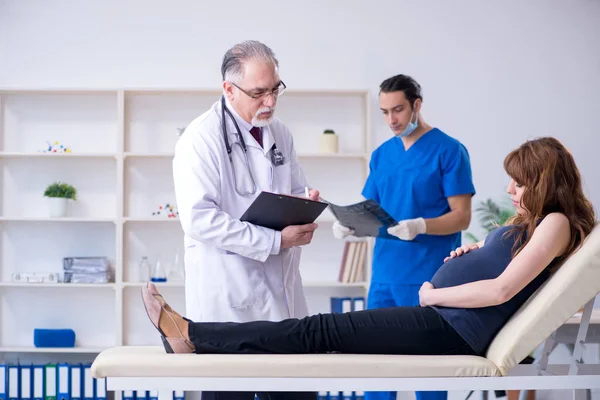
x=276, y=211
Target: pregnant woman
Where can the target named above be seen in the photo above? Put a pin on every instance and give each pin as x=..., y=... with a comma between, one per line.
x=467, y=302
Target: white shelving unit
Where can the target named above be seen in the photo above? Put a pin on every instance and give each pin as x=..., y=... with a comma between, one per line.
x=122, y=144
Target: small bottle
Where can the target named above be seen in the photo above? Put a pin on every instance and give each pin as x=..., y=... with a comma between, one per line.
x=144, y=270
x=158, y=272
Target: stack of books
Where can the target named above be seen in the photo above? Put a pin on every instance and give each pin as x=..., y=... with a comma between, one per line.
x=353, y=262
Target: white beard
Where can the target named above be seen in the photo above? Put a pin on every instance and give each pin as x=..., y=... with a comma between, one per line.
x=260, y=122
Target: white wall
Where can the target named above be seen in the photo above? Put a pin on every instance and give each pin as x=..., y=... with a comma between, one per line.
x=493, y=73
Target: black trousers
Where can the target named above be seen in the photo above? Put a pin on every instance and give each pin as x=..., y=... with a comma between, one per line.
x=396, y=330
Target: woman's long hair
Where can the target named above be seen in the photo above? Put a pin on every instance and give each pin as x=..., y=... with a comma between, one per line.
x=552, y=184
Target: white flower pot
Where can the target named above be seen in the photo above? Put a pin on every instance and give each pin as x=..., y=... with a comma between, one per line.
x=57, y=206
x=328, y=143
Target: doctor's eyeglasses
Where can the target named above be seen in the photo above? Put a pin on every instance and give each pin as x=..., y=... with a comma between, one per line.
x=262, y=94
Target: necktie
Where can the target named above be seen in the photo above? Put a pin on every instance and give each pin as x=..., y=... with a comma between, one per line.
x=256, y=132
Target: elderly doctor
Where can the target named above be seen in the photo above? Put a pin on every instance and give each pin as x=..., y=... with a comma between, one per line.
x=237, y=271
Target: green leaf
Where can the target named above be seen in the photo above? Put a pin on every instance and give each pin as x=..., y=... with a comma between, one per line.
x=492, y=215
x=471, y=237
x=61, y=189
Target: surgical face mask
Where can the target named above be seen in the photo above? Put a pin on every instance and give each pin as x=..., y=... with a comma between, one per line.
x=411, y=126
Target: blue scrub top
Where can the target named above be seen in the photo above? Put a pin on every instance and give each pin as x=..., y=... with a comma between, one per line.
x=411, y=184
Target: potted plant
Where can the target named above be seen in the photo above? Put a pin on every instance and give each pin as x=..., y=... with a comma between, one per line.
x=58, y=194
x=328, y=142
x=491, y=215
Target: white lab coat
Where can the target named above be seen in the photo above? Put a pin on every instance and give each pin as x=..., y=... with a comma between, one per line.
x=235, y=271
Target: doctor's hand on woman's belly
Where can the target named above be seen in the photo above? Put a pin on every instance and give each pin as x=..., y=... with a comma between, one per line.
x=297, y=235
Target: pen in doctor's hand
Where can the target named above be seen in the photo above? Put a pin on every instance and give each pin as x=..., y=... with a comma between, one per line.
x=306, y=192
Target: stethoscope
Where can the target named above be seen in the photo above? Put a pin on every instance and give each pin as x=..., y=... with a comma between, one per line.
x=277, y=158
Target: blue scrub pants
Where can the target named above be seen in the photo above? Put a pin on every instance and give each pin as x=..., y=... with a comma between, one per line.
x=383, y=296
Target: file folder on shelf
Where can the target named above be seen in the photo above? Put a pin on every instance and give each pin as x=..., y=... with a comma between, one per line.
x=141, y=394
x=76, y=380
x=25, y=384
x=100, y=388
x=341, y=305
x=179, y=395
x=3, y=381
x=358, y=304
x=64, y=381
x=89, y=391
x=323, y=395
x=38, y=382
x=50, y=381
x=13, y=383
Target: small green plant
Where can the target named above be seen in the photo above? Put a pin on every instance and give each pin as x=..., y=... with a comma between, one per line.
x=329, y=132
x=491, y=215
x=61, y=189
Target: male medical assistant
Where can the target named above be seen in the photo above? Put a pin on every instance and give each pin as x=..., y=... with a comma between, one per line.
x=422, y=178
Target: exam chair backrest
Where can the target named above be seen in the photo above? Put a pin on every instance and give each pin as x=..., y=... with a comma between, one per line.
x=575, y=283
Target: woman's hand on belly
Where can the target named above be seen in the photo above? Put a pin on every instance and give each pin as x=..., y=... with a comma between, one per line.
x=425, y=290
x=465, y=248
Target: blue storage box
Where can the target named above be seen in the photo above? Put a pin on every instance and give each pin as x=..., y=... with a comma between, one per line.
x=53, y=338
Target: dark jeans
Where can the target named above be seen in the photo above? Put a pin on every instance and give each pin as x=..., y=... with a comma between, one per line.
x=396, y=330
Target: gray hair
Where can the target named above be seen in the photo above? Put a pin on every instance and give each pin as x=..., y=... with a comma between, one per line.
x=233, y=61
